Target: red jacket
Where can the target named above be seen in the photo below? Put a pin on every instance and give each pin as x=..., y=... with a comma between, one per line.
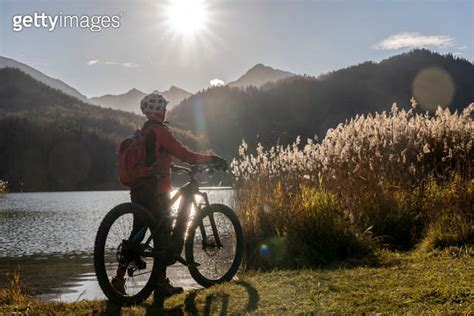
x=166, y=146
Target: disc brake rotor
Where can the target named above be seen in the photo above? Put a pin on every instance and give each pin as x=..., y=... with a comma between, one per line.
x=211, y=249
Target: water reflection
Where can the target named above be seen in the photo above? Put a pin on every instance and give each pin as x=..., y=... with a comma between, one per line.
x=68, y=277
x=50, y=238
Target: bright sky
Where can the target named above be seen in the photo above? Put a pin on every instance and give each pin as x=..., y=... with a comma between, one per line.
x=159, y=43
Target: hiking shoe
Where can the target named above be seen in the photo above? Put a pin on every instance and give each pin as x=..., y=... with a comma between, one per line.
x=119, y=285
x=165, y=289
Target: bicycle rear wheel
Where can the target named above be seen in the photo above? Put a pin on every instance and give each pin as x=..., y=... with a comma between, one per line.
x=115, y=245
x=218, y=257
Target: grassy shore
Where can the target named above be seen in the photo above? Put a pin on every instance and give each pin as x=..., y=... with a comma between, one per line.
x=436, y=283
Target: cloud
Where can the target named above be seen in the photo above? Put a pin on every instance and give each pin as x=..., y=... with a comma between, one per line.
x=130, y=65
x=113, y=63
x=414, y=40
x=216, y=82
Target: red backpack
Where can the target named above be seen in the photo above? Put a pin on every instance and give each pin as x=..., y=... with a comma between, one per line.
x=131, y=158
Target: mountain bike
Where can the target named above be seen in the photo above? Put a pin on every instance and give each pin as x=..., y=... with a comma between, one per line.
x=211, y=235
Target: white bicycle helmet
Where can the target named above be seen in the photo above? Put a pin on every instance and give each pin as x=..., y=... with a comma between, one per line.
x=153, y=103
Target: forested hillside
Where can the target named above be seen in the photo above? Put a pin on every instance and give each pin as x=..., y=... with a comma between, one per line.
x=38, y=75
x=51, y=141
x=301, y=105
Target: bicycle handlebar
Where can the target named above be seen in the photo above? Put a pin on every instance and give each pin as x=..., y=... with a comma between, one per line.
x=176, y=168
x=193, y=169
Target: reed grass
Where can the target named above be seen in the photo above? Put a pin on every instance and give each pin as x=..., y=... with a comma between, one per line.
x=392, y=180
x=3, y=187
x=13, y=294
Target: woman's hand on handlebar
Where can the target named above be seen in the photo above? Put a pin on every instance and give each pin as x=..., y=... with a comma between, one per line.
x=218, y=163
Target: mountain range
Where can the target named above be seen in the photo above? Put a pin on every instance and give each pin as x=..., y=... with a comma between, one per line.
x=305, y=106
x=38, y=75
x=259, y=75
x=50, y=140
x=130, y=101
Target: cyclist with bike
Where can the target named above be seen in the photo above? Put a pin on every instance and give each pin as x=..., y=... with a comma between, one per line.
x=152, y=190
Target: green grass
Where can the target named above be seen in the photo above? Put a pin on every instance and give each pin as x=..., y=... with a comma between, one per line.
x=395, y=283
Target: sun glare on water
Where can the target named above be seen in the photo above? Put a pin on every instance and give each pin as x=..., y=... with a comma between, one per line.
x=186, y=17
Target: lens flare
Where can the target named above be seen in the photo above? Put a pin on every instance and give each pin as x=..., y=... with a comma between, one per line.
x=200, y=117
x=433, y=86
x=264, y=250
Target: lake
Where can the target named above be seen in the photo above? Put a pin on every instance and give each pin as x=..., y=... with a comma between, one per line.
x=49, y=238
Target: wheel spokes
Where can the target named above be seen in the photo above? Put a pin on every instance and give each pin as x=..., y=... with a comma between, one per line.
x=215, y=260
x=138, y=268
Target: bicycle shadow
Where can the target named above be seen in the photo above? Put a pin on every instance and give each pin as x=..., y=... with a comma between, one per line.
x=215, y=303
x=191, y=308
x=155, y=308
x=158, y=307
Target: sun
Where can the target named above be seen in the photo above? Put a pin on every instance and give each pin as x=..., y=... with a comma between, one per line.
x=186, y=17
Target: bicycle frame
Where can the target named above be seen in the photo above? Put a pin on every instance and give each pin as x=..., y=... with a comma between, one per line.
x=187, y=193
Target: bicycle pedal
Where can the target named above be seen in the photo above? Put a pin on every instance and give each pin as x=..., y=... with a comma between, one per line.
x=141, y=265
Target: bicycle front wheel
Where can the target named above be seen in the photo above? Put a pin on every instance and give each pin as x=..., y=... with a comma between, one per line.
x=119, y=244
x=216, y=249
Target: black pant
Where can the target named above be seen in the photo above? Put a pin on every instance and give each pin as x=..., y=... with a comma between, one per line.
x=145, y=192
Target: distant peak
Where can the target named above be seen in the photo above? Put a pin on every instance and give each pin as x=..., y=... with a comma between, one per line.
x=261, y=68
x=260, y=65
x=175, y=88
x=134, y=90
x=259, y=75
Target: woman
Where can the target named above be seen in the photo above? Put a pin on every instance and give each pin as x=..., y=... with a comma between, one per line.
x=153, y=191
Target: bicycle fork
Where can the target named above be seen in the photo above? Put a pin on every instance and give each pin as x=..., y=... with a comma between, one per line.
x=212, y=222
